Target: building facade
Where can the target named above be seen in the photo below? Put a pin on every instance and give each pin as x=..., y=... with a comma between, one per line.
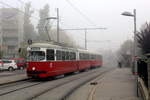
x=11, y=30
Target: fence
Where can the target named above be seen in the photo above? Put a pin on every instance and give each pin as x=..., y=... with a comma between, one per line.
x=143, y=70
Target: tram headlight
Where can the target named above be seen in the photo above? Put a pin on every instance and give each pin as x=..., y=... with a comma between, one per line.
x=33, y=68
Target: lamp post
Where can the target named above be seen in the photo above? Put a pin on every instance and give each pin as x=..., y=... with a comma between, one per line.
x=1, y=51
x=135, y=41
x=134, y=16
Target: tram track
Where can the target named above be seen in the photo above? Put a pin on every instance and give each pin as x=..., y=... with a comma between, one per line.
x=68, y=82
x=17, y=86
x=22, y=82
x=65, y=97
x=56, y=86
x=30, y=90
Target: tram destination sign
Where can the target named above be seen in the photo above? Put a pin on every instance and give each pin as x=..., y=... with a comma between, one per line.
x=35, y=48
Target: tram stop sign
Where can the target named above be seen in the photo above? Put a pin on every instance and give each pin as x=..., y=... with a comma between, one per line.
x=29, y=41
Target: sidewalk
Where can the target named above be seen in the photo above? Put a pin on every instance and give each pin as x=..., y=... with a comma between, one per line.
x=119, y=84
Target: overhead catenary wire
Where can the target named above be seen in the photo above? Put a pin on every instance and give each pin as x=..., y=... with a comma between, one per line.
x=50, y=27
x=80, y=12
x=82, y=38
x=86, y=28
x=38, y=18
x=74, y=7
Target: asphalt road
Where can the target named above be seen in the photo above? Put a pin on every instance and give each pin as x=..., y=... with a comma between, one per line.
x=11, y=73
x=56, y=89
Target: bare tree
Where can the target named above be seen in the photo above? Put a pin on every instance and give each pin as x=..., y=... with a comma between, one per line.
x=43, y=32
x=43, y=14
x=29, y=32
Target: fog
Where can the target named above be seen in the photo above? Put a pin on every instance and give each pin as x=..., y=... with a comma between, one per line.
x=102, y=13
x=91, y=14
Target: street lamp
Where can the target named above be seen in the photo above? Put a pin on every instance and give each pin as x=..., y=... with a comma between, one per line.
x=134, y=16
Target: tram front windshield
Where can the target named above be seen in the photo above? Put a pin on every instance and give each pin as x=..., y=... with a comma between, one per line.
x=36, y=55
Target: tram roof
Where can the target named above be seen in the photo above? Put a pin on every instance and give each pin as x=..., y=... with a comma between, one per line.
x=44, y=45
x=51, y=45
x=57, y=46
x=87, y=51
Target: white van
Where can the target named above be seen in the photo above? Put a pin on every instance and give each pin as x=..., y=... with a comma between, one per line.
x=8, y=65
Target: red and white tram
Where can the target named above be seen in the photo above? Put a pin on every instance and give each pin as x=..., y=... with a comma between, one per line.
x=45, y=59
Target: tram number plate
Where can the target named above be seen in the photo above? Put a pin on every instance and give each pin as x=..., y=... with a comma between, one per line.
x=51, y=65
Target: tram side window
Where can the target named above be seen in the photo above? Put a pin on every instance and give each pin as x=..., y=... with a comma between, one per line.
x=50, y=54
x=99, y=57
x=86, y=56
x=92, y=56
x=67, y=55
x=72, y=56
x=81, y=56
x=63, y=55
x=96, y=57
x=58, y=55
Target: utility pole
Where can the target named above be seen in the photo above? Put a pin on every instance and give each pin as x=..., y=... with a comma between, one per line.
x=46, y=29
x=85, y=31
x=135, y=41
x=57, y=25
x=57, y=18
x=1, y=32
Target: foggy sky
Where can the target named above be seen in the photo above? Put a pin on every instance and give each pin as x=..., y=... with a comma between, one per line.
x=102, y=13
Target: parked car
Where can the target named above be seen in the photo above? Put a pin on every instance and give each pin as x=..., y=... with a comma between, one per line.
x=21, y=62
x=8, y=65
